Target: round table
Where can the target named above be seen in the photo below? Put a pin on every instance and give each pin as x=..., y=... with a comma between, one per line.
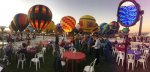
x=120, y=49
x=78, y=56
x=74, y=58
x=45, y=43
x=136, y=53
x=32, y=51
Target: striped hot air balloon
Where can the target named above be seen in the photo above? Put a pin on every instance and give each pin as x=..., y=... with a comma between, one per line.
x=87, y=23
x=39, y=17
x=12, y=27
x=104, y=28
x=114, y=25
x=21, y=21
x=67, y=23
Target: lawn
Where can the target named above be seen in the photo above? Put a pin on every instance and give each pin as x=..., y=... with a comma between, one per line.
x=48, y=65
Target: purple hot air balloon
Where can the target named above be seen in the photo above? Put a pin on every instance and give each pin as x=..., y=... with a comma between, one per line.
x=59, y=28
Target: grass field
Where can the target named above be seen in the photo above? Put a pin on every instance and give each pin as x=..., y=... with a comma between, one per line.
x=48, y=65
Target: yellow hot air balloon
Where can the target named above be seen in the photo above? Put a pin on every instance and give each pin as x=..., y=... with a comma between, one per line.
x=51, y=26
x=87, y=23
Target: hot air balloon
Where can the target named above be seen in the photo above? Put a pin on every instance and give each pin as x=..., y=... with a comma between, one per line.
x=51, y=26
x=104, y=28
x=125, y=30
x=96, y=29
x=29, y=29
x=21, y=21
x=12, y=27
x=59, y=28
x=114, y=25
x=39, y=17
x=67, y=23
x=87, y=23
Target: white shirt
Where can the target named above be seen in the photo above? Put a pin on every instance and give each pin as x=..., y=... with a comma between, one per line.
x=97, y=44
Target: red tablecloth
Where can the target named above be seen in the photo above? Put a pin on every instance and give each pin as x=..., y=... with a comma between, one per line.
x=120, y=49
x=32, y=50
x=45, y=43
x=78, y=56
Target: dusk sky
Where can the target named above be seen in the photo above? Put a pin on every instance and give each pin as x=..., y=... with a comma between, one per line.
x=102, y=10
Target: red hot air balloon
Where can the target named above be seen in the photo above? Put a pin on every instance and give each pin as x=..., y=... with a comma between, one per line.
x=21, y=21
x=114, y=25
x=39, y=17
x=67, y=23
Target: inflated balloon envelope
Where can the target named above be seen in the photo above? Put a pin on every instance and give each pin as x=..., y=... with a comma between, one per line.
x=39, y=17
x=67, y=23
x=21, y=21
x=87, y=23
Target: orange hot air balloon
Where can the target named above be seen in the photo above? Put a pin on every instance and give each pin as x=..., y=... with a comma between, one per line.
x=21, y=21
x=39, y=17
x=67, y=23
x=87, y=23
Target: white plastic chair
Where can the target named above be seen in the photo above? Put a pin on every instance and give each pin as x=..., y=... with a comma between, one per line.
x=114, y=51
x=1, y=68
x=121, y=57
x=22, y=59
x=72, y=49
x=90, y=68
x=145, y=54
x=62, y=50
x=134, y=49
x=53, y=46
x=44, y=50
x=131, y=60
x=36, y=61
x=41, y=55
x=143, y=61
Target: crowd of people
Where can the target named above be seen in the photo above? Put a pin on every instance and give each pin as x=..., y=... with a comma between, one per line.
x=140, y=39
x=90, y=44
x=11, y=39
x=19, y=37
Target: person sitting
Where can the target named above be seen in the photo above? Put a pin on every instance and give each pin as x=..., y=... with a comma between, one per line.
x=23, y=49
x=67, y=45
x=34, y=36
x=62, y=43
x=28, y=37
x=28, y=42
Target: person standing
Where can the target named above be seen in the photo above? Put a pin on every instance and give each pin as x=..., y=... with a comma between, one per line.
x=90, y=43
x=106, y=50
x=97, y=46
x=8, y=51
